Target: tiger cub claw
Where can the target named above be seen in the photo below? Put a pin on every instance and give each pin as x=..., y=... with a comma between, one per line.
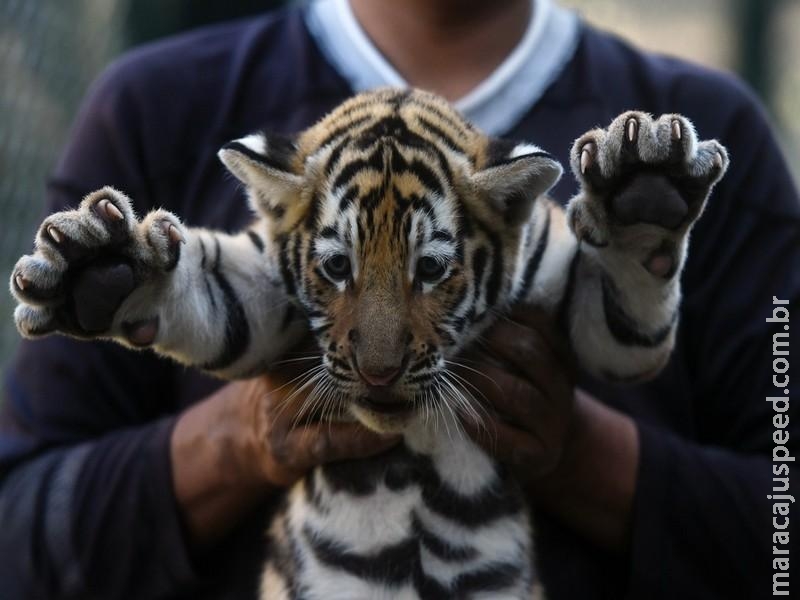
x=644, y=182
x=85, y=264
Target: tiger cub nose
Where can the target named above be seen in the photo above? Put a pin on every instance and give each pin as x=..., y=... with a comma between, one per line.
x=380, y=377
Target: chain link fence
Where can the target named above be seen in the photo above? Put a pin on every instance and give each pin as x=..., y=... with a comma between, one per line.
x=50, y=50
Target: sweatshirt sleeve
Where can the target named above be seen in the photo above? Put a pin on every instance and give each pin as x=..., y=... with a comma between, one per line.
x=86, y=502
x=704, y=525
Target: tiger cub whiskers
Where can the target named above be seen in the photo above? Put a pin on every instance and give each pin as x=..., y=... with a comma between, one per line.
x=396, y=233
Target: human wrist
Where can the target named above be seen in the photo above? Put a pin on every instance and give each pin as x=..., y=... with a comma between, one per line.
x=227, y=428
x=216, y=467
x=594, y=481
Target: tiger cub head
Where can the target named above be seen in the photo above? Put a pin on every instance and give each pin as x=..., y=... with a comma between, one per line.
x=398, y=227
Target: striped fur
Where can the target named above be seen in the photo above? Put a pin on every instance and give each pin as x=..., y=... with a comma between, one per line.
x=397, y=232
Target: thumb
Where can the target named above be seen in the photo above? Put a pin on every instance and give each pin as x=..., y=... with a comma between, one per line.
x=328, y=442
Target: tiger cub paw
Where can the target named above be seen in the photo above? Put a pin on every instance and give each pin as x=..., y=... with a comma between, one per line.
x=644, y=182
x=86, y=263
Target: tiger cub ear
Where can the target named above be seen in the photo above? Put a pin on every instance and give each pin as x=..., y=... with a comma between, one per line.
x=514, y=176
x=263, y=163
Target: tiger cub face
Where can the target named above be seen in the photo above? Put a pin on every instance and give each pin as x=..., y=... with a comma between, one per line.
x=397, y=226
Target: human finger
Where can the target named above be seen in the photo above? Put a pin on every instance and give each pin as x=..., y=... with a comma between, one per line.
x=314, y=444
x=526, y=453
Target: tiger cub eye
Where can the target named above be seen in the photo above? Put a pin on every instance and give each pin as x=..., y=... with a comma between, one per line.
x=337, y=267
x=429, y=269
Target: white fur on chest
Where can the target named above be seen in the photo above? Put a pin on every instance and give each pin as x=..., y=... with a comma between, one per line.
x=365, y=524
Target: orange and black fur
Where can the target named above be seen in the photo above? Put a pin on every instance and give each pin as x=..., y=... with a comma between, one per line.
x=396, y=232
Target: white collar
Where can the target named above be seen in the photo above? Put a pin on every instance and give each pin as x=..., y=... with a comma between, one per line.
x=498, y=102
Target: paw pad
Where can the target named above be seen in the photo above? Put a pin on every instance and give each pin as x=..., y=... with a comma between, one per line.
x=141, y=333
x=87, y=262
x=644, y=172
x=660, y=264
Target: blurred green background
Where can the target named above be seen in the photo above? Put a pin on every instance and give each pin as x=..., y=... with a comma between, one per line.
x=50, y=50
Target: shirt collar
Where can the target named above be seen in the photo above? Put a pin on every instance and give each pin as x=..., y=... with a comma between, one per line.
x=498, y=102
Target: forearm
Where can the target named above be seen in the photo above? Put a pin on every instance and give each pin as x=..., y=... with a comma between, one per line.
x=72, y=521
x=216, y=476
x=593, y=485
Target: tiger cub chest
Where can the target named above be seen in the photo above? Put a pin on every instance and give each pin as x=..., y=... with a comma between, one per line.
x=433, y=518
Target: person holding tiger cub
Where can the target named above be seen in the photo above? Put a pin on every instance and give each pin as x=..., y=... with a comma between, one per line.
x=633, y=486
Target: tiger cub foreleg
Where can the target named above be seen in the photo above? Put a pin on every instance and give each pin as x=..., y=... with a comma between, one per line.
x=644, y=182
x=208, y=299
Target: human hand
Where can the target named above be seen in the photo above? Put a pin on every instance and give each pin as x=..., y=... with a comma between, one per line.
x=291, y=443
x=245, y=441
x=524, y=374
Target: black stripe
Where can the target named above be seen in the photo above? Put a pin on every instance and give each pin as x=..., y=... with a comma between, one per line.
x=498, y=150
x=217, y=253
x=296, y=255
x=479, y=258
x=492, y=577
x=312, y=214
x=333, y=157
x=563, y=319
x=256, y=239
x=340, y=377
x=386, y=128
x=348, y=197
x=373, y=162
x=286, y=272
x=461, y=127
x=370, y=199
x=426, y=175
x=441, y=134
x=531, y=155
x=623, y=328
x=328, y=232
x=210, y=292
x=446, y=336
x=441, y=548
x=441, y=234
x=493, y=502
x=457, y=298
x=342, y=129
x=496, y=276
x=237, y=329
x=284, y=554
x=399, y=98
x=424, y=363
x=391, y=565
x=276, y=158
x=396, y=564
x=321, y=328
x=479, y=509
x=311, y=492
x=534, y=261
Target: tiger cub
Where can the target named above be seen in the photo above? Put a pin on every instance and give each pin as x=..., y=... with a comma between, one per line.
x=395, y=231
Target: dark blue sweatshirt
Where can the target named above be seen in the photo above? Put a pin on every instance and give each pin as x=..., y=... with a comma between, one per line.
x=86, y=502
